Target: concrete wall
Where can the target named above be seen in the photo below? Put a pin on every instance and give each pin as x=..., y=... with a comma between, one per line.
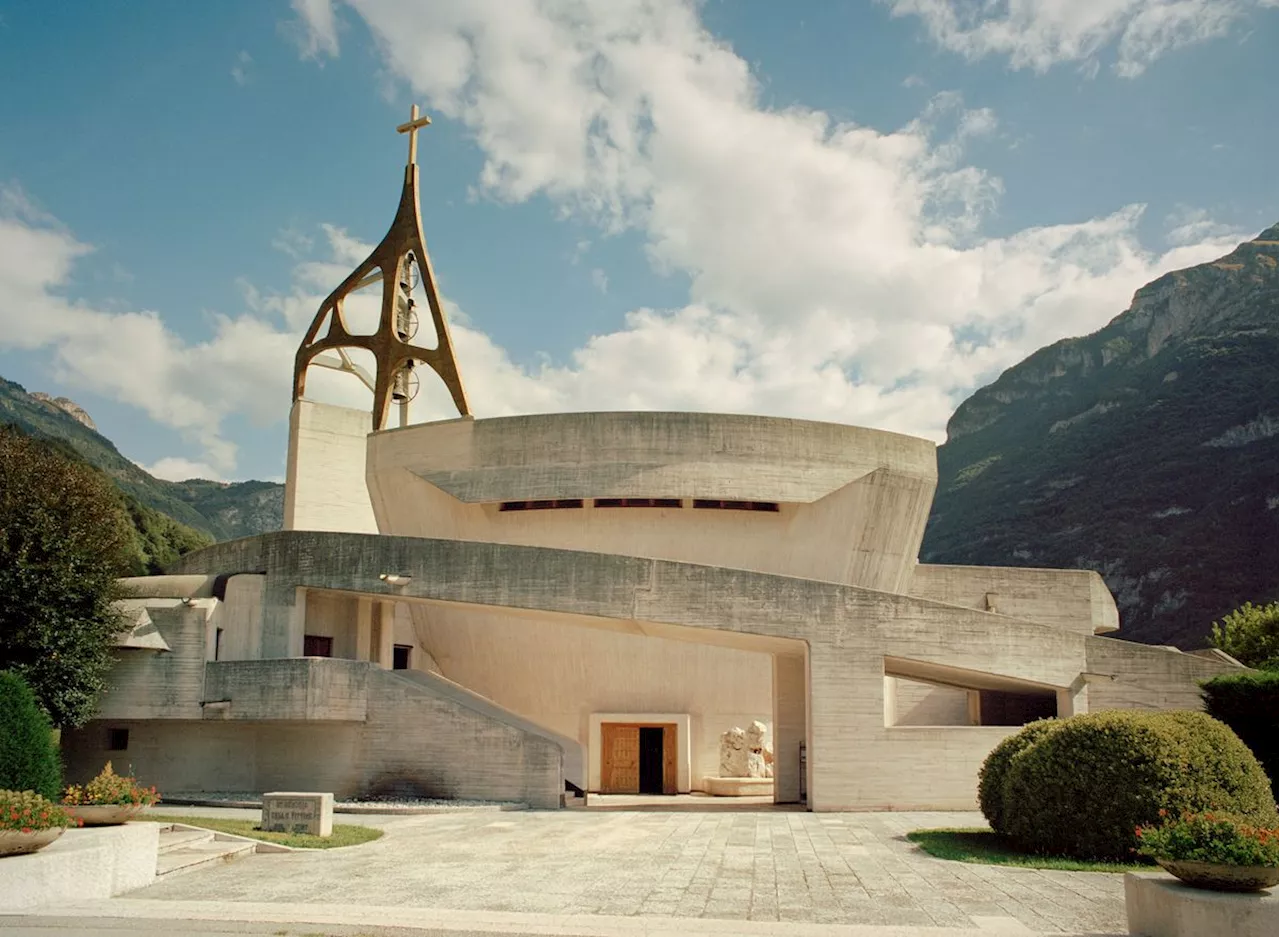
x=1075, y=599
x=146, y=684
x=302, y=689
x=557, y=675
x=851, y=635
x=284, y=729
x=915, y=703
x=324, y=476
x=853, y=501
x=239, y=616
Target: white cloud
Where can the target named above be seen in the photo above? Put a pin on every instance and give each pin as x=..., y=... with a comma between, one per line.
x=316, y=28
x=837, y=271
x=1039, y=34
x=178, y=469
x=1192, y=225
x=240, y=70
x=600, y=280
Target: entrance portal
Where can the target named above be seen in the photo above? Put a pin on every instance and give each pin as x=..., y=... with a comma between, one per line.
x=637, y=758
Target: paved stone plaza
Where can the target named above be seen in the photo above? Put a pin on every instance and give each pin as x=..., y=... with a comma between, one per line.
x=760, y=865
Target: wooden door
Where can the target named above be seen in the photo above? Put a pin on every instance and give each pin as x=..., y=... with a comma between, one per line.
x=620, y=758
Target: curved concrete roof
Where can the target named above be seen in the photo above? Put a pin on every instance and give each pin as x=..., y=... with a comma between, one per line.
x=647, y=454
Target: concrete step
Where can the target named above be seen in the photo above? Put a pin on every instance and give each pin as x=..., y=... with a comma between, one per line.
x=196, y=855
x=177, y=837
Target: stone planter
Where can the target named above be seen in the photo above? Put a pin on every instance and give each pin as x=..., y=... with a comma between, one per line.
x=1217, y=877
x=16, y=843
x=103, y=814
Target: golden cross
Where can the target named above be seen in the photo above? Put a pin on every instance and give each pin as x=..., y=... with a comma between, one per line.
x=411, y=128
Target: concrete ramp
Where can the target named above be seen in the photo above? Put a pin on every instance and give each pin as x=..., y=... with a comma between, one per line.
x=428, y=733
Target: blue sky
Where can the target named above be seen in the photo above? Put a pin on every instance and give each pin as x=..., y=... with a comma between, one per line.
x=847, y=211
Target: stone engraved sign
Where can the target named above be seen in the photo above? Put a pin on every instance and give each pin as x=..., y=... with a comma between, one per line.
x=298, y=812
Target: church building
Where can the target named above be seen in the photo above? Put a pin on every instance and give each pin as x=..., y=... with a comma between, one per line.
x=529, y=607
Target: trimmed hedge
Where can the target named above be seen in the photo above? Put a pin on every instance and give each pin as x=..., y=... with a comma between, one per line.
x=28, y=756
x=1083, y=789
x=1247, y=702
x=995, y=769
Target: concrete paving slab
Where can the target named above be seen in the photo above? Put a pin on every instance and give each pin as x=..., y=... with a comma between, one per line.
x=825, y=869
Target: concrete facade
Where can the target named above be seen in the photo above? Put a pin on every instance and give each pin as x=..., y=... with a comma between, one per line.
x=529, y=574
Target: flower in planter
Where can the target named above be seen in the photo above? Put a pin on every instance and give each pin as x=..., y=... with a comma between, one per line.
x=28, y=812
x=110, y=789
x=1210, y=838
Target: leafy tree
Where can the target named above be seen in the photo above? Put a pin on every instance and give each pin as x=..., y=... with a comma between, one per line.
x=1249, y=634
x=64, y=540
x=28, y=756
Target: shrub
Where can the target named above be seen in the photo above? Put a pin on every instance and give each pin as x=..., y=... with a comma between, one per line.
x=1207, y=837
x=1084, y=789
x=27, y=811
x=1247, y=702
x=1250, y=634
x=28, y=756
x=109, y=788
x=995, y=769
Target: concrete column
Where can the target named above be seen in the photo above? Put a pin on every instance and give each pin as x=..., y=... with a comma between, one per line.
x=1074, y=700
x=364, y=628
x=385, y=619
x=789, y=706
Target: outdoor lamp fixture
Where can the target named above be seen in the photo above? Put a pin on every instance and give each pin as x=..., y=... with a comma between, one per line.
x=394, y=579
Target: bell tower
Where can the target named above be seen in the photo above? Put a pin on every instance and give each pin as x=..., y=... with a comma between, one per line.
x=325, y=485
x=397, y=265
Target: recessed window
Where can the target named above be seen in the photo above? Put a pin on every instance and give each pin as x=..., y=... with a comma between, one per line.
x=736, y=505
x=540, y=505
x=217, y=644
x=637, y=502
x=400, y=656
x=315, y=645
x=117, y=740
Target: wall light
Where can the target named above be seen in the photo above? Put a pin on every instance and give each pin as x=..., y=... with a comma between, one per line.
x=394, y=579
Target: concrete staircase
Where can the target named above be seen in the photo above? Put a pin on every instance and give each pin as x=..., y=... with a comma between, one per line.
x=186, y=848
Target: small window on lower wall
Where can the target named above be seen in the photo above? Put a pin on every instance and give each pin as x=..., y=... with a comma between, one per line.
x=315, y=645
x=117, y=740
x=736, y=505
x=638, y=502
x=400, y=656
x=1004, y=708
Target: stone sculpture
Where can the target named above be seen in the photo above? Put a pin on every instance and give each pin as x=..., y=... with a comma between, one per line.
x=743, y=753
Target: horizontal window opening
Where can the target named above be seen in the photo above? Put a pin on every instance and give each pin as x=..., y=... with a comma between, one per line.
x=540, y=505
x=638, y=502
x=736, y=505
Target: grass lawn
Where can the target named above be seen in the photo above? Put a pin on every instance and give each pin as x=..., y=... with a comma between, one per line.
x=343, y=834
x=980, y=845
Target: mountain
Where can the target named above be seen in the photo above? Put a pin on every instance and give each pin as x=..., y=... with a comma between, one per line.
x=221, y=510
x=1146, y=451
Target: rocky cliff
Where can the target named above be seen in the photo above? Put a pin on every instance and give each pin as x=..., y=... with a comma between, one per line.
x=221, y=510
x=1146, y=451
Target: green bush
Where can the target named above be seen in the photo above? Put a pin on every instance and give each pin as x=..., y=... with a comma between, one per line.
x=995, y=769
x=28, y=756
x=1207, y=837
x=1247, y=701
x=1250, y=634
x=1084, y=789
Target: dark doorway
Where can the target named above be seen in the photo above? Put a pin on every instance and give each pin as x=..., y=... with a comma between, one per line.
x=400, y=656
x=651, y=759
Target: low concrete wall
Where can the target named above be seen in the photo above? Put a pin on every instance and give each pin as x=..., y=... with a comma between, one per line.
x=83, y=864
x=1158, y=905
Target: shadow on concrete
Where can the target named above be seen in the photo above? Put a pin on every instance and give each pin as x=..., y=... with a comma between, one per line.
x=694, y=803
